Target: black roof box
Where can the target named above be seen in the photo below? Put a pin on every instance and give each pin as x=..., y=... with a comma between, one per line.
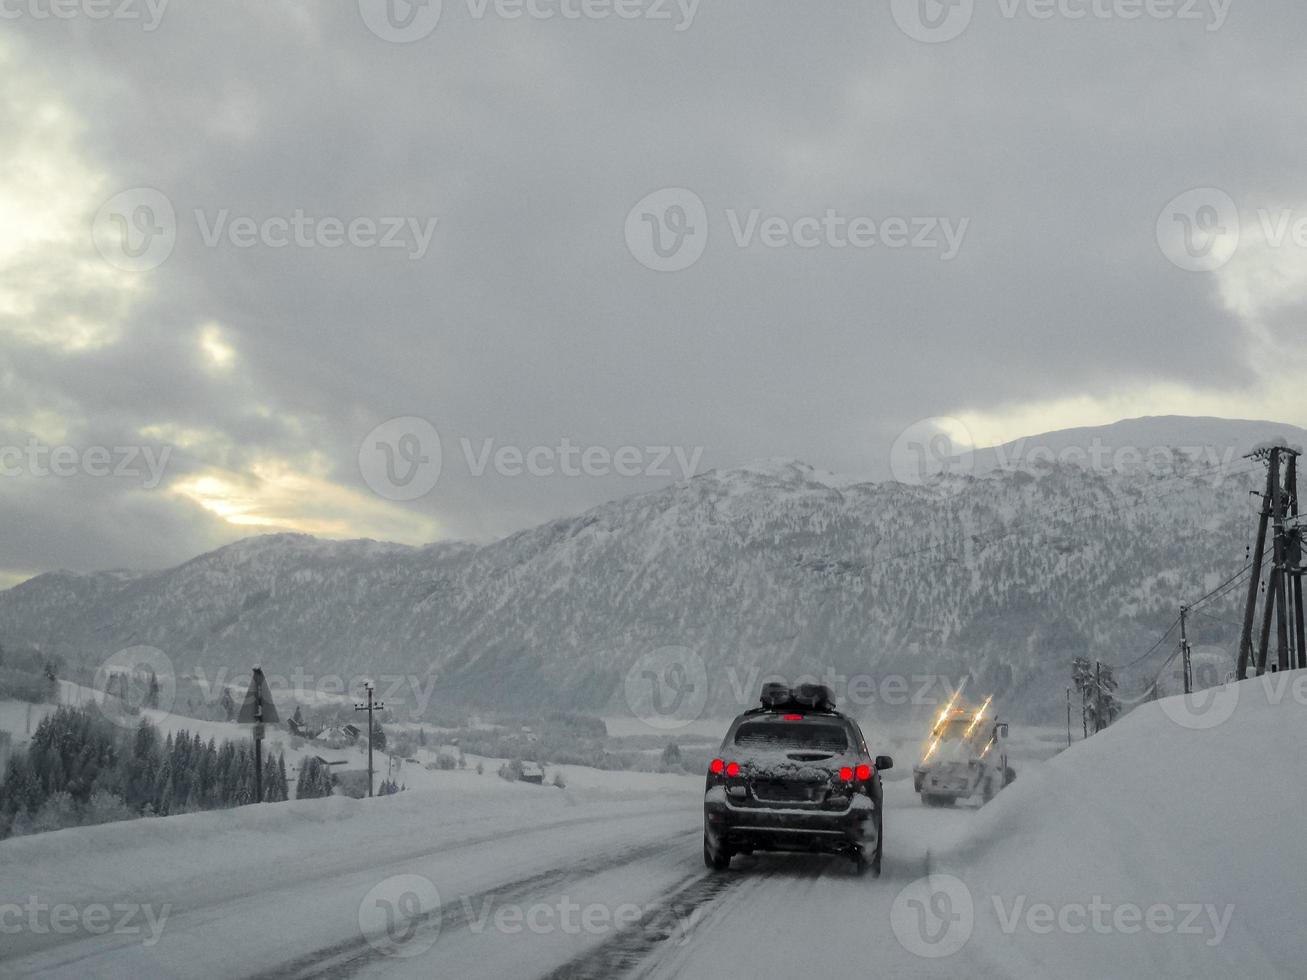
x=814, y=697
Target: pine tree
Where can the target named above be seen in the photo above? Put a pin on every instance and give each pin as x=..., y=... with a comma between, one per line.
x=228, y=704
x=244, y=778
x=283, y=789
x=314, y=781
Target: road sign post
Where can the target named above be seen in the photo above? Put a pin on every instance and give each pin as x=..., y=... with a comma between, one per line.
x=258, y=709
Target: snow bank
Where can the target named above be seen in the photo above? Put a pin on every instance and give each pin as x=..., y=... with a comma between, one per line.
x=1189, y=812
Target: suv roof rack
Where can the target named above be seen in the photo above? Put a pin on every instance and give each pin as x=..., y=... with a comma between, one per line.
x=806, y=697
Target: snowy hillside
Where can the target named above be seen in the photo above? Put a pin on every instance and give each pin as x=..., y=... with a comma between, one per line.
x=1007, y=574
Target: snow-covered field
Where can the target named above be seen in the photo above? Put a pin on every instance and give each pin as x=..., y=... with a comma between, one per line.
x=1157, y=849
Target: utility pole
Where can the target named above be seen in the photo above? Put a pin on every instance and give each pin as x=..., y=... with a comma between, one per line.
x=369, y=706
x=1098, y=696
x=1246, y=652
x=1295, y=562
x=1275, y=591
x=1283, y=582
x=1068, y=717
x=1184, y=652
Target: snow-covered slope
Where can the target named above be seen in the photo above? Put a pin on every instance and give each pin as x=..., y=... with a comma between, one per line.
x=1211, y=438
x=775, y=567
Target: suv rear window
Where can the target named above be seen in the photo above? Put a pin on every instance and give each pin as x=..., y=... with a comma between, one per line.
x=792, y=735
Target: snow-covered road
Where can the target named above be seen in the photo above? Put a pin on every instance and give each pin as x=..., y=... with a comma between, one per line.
x=1128, y=855
x=594, y=891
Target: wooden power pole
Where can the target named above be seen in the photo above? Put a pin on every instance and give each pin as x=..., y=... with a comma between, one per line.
x=1284, y=580
x=1184, y=652
x=1295, y=562
x=369, y=706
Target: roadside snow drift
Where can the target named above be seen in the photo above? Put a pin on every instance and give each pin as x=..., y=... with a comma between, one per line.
x=1169, y=845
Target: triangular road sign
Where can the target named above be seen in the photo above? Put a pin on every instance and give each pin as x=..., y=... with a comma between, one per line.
x=258, y=691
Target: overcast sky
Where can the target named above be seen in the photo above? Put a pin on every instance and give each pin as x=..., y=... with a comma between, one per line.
x=198, y=257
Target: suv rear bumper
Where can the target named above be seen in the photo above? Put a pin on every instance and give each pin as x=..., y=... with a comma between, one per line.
x=773, y=829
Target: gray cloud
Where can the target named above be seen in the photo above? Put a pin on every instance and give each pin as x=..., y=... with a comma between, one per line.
x=528, y=320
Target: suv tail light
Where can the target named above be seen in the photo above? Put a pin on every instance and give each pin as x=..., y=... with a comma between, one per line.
x=863, y=772
x=719, y=766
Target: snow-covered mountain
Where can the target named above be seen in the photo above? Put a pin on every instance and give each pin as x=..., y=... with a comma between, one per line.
x=777, y=567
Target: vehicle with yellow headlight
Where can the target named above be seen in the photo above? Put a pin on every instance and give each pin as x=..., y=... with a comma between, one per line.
x=965, y=756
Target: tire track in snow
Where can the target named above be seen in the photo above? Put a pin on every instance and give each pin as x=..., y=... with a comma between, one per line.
x=347, y=958
x=632, y=952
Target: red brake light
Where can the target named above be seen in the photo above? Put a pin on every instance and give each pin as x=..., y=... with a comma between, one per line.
x=846, y=774
x=793, y=717
x=864, y=771
x=716, y=767
x=732, y=768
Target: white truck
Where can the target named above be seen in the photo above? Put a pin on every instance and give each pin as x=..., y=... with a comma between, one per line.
x=965, y=758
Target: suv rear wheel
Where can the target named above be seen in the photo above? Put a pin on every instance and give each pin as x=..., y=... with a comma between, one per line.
x=717, y=860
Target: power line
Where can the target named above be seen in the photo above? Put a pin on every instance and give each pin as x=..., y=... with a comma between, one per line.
x=1217, y=619
x=1140, y=659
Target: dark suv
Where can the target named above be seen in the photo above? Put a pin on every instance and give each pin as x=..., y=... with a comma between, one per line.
x=794, y=775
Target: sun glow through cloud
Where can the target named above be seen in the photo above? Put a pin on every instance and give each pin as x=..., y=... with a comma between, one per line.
x=277, y=496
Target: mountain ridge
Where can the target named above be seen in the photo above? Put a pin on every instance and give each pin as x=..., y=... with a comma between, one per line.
x=1003, y=576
